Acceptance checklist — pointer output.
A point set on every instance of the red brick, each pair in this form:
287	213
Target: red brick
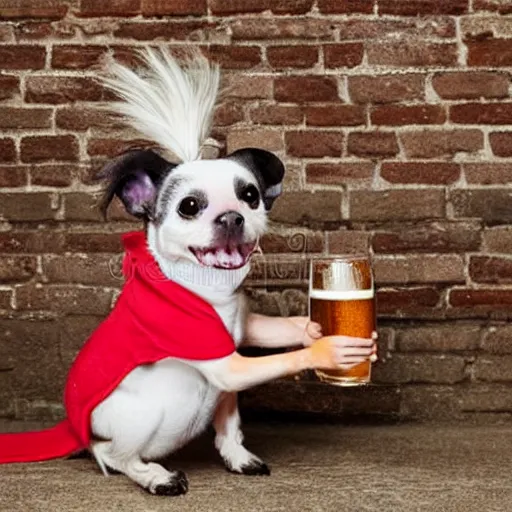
16	9
372	144
6	33
19	118
87	269
30	242
113	147
98	8
293	242
471	85
235	57
52	175
173	7
437	143
488	173
229	113
492	205
80	206
439	338
161	30
311	209
22	56
490	53
412	53
345	6
424	368
34	206
492	270
428	173
91	242
477	113
34	30
282	28
16	269
62	89
493	368
13	176
387	28
396	115
501	143
49	147
422	7
343	55
386	88
426	268
64	299
456	237
264	138
340	173
335	114
5	299
9	86
303	89
79	118
303	56
248	6
498	340
399	302
470	297
500	6
313	143
498	239
237	85
347	242
396	205
277	114
77	56
7	150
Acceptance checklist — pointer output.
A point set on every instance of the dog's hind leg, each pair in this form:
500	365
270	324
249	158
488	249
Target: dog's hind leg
229	439
131	424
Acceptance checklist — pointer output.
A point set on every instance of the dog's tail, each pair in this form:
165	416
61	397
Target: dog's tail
168	103
55	442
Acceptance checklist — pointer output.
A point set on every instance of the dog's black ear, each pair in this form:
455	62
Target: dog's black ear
135	178
267	168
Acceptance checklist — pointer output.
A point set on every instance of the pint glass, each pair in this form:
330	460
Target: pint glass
342	301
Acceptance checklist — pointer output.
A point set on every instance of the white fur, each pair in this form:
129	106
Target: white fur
172	105
216	176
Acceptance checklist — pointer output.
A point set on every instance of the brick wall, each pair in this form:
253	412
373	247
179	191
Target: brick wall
394	119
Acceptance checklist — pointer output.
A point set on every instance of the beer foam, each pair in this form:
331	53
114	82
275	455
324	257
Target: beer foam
342	295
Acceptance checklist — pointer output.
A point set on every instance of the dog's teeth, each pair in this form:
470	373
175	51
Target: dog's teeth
209	259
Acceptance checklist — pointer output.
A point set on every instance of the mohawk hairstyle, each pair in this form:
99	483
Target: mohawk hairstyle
169	103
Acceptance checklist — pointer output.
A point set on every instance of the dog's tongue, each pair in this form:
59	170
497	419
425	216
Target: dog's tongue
225	257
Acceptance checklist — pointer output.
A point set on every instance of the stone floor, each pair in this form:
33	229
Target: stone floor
315	467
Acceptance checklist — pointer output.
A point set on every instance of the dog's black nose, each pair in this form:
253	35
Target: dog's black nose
231	221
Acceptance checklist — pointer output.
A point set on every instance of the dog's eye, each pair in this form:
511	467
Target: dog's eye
189	207
251	196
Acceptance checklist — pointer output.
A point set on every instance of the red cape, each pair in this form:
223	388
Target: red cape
153	318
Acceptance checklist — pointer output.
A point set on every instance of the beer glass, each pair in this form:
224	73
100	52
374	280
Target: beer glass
342	301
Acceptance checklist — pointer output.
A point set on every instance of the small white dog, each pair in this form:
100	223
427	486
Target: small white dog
203	220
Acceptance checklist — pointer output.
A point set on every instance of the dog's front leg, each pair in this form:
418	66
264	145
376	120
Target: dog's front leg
229	439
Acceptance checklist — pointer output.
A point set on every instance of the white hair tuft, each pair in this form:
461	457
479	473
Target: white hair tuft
169	103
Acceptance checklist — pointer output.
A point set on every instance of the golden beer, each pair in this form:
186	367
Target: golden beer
342	301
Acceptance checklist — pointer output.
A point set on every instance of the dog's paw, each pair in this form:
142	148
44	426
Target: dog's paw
254	467
177	484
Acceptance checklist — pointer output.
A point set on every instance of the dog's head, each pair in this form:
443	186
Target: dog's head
210	212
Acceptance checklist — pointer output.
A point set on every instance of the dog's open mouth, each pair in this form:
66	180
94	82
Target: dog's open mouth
228	256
